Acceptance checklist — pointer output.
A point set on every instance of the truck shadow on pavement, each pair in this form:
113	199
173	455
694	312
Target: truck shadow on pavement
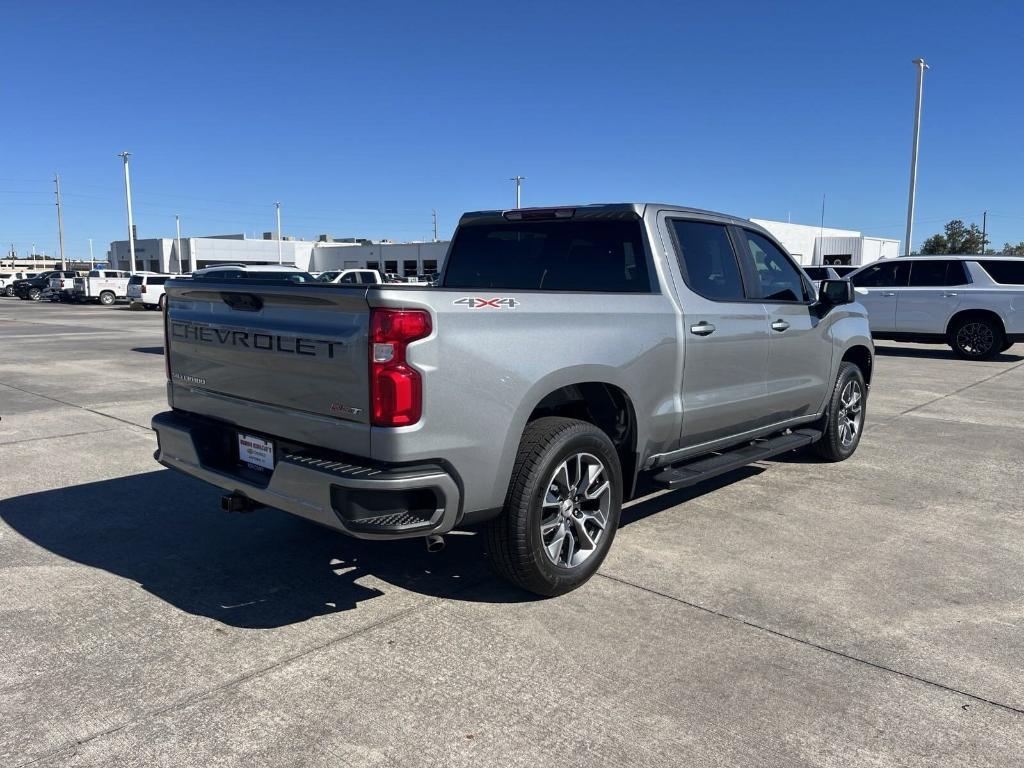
939	353
261	570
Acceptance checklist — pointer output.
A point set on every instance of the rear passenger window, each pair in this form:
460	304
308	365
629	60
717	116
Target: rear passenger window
1005	272
707	260
777	278
925	274
157	280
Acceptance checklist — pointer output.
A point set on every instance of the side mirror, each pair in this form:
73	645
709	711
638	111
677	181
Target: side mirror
832	293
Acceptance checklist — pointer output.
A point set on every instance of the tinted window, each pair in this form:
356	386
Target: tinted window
934	273
135	280
1005	272
891	274
574	255
326	277
350	278
817	273
157	280
707	260
777	278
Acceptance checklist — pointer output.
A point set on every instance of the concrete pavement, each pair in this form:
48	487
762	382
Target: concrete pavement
793	613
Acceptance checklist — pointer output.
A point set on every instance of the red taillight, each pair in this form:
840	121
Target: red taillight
396	389
61	283
142	288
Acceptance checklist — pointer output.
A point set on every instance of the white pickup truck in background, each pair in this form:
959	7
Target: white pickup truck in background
103	285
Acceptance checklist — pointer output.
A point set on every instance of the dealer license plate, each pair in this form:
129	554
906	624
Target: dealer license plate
255	451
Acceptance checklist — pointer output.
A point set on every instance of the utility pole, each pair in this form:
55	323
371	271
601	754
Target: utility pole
435	224
131	224
519	182
60	222
921	67
92	261
277	208
984	225
177	233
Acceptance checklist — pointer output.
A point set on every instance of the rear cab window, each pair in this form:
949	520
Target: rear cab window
707	259
572	254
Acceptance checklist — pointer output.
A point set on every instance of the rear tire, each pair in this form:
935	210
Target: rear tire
34	294
106	298
843	423
561	510
976	337
160	303
9	291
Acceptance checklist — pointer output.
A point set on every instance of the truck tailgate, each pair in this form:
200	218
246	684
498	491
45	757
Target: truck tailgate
300	348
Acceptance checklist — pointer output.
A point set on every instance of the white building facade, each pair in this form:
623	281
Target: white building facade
812	245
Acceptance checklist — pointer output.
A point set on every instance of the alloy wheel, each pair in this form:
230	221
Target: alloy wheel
574	512
851	412
975	339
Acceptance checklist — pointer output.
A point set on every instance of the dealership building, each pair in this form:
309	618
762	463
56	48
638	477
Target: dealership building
161	254
812	245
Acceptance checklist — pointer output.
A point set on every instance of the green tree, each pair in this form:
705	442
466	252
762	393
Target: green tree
958	238
935	244
1014	250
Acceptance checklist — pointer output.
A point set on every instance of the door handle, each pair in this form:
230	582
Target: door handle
780	325
948	294
702	329
888	293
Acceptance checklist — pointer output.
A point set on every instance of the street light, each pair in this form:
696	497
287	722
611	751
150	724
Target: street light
131	226
921	67
519	182
277	208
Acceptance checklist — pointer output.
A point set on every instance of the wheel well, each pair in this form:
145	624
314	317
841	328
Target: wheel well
987	314
861	357
606	407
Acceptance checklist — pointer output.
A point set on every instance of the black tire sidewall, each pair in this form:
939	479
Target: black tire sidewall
831	445
997	339
104	298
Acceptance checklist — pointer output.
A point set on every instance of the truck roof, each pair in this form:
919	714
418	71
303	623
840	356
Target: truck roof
603	210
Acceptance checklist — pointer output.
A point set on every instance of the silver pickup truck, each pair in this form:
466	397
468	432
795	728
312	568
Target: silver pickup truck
564	353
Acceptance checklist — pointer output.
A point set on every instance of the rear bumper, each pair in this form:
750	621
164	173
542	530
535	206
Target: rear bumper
362	499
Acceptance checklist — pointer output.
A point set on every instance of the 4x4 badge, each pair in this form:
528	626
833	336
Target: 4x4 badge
475	302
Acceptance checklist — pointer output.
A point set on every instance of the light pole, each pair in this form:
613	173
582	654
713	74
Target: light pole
60	222
92	261
277	209
131	225
519	183
921	67
177	233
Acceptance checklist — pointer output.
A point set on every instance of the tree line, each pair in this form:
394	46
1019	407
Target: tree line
958	237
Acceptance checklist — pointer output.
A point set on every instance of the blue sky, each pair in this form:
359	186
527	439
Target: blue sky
362	117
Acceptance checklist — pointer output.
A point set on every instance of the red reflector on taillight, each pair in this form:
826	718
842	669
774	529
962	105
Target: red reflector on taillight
142	288
396	388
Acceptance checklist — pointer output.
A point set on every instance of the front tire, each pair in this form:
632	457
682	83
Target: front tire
562	507
34	294
9	291
976	338
843	423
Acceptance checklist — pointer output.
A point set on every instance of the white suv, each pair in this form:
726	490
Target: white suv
147	289
973	303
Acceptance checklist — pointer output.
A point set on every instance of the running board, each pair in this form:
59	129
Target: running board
693	472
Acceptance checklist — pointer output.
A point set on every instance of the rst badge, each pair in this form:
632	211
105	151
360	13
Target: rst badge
475	302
